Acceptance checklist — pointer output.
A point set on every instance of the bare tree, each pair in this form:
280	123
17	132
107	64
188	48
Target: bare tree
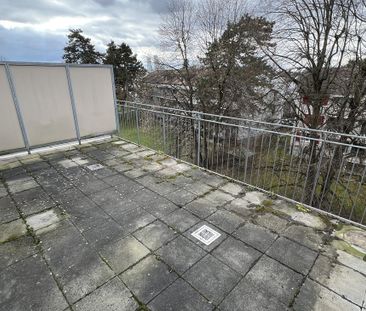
315	41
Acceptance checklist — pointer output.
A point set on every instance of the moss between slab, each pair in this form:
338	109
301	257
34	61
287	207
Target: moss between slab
348	248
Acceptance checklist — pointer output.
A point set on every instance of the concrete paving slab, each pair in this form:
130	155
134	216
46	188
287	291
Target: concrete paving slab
350	261
272	222
159	206
218	197
43	221
225	220
3	191
255	197
78	268
12	230
180	220
28	285
16	250
155	235
275	279
343	280
148	278
180	296
255	236
314	297
212	278
123	253
180	197
197	187
105	233
133	219
8	210
33	201
236	255
305	235
247	297
113	295
181	254
232	188
292	254
21	184
201	207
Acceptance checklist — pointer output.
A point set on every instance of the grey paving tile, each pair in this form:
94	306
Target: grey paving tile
274	279
159	206
343	280
28	285
21	184
201	208
212	278
113	295
115	180
232	188
180	219
256	236
305	235
16	250
79	268
236	255
272	222
12	230
3	191
225	220
105	233
197	187
180	296
313	296
8	210
123	253
218	197
33	200
133	219
155	234
181	197
181	254
292	254
247	297
148	278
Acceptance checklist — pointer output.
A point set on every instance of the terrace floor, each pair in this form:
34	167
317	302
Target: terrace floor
119	237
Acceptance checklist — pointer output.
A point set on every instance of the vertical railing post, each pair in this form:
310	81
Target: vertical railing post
17	107
246	155
198	124
164	133
72	100
137	124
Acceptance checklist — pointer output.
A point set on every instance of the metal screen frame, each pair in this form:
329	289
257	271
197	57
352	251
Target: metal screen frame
27	145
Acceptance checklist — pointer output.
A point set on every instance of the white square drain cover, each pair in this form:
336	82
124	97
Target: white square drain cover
206	234
95	167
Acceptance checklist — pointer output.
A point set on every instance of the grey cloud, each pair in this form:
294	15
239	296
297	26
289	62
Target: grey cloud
132	21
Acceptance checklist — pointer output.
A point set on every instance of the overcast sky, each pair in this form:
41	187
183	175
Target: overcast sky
35	30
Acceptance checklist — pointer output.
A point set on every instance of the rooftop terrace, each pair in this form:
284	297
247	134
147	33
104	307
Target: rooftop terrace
108	226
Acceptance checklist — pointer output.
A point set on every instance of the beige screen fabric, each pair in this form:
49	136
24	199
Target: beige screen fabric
44	100
10	132
94	101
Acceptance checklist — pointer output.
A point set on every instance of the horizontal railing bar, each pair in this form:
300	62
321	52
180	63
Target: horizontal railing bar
248	120
253	128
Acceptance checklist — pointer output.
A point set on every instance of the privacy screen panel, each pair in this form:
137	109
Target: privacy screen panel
94	100
10	132
44	101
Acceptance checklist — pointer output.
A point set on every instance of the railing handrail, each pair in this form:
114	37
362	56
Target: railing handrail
292	127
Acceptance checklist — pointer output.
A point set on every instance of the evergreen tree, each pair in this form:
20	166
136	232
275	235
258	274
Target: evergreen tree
126	68
79	49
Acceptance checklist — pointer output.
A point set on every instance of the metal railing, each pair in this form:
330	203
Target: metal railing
316	168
